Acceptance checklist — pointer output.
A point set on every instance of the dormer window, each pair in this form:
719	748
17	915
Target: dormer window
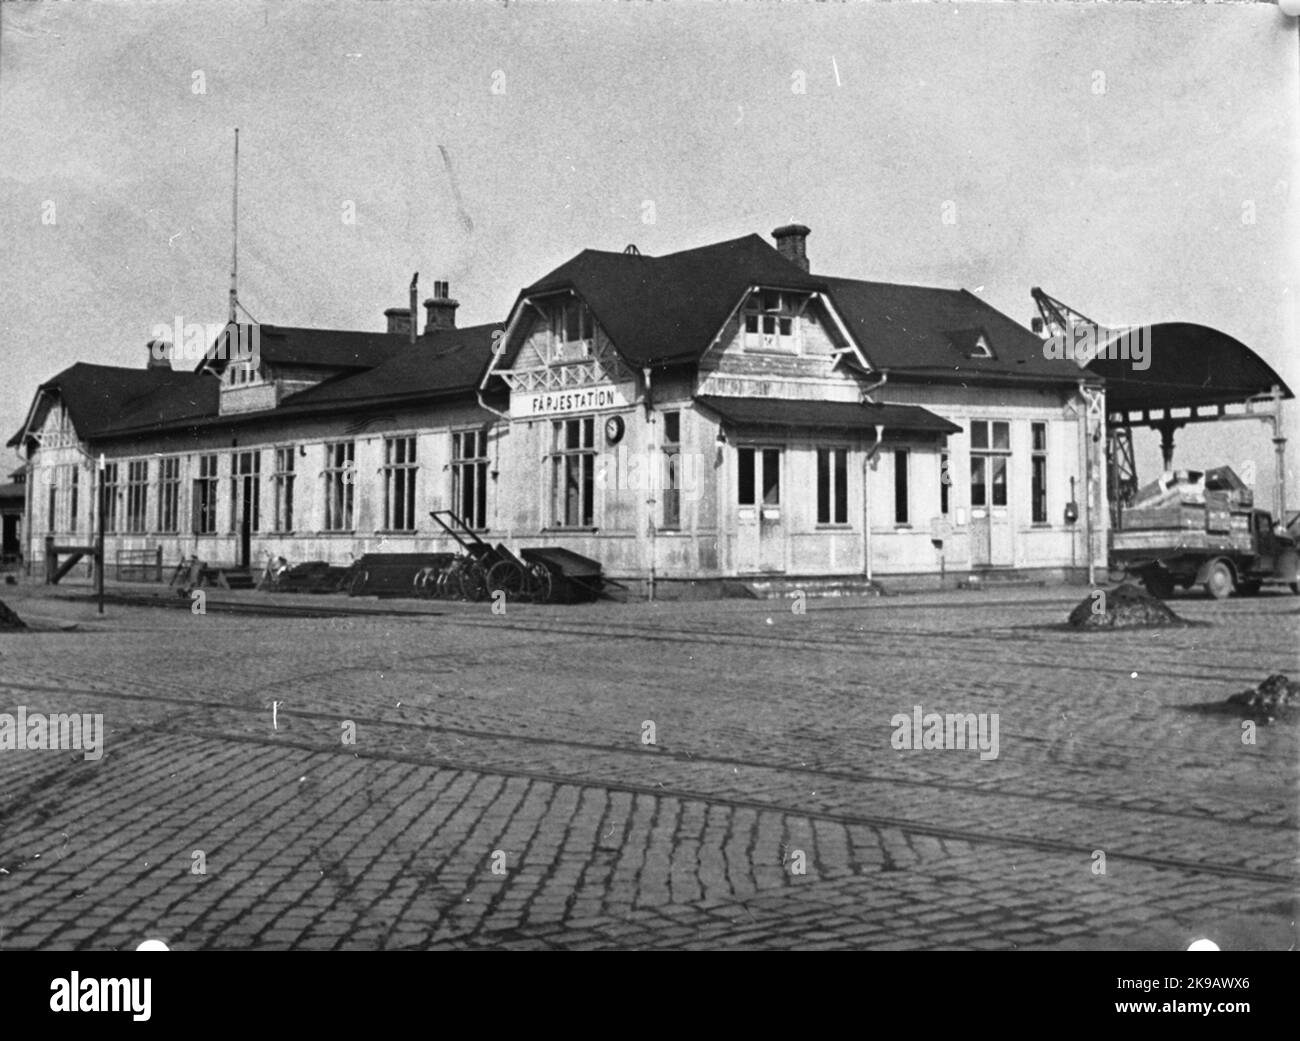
241	374
770	321
572	330
973	343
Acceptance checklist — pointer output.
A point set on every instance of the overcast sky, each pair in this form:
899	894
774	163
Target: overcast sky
1139	161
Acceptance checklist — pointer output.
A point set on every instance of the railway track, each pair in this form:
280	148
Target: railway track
972	835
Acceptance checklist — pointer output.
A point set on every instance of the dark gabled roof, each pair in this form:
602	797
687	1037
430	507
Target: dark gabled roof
825	415
446	362
105	400
669	308
312	348
929	331
99	397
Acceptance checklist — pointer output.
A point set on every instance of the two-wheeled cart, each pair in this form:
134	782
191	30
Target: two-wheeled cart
483	569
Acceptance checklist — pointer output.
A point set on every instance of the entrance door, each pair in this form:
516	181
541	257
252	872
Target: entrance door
246	478
760	533
990	466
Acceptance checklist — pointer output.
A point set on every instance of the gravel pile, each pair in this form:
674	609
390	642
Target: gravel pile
1124	607
1276	696
8	620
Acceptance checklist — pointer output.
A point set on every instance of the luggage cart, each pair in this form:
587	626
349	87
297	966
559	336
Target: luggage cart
484	569
573	577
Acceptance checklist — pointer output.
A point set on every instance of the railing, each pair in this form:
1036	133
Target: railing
139	565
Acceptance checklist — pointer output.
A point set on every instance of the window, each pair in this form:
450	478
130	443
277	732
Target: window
1038	476
832	486
340	481
770	321
282	489
672	447
169	493
900	486
74	479
572	329
990	451
246	491
52	503
759	473
109	490
137	496
205	496
574	462
399	483
945	482
469	463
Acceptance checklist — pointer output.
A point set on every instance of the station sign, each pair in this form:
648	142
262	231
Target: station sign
526	405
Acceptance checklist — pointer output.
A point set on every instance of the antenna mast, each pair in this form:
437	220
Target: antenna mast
234	248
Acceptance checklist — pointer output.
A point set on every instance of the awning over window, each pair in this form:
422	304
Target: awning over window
825	415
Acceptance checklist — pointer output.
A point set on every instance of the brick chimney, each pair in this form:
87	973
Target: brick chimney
792	241
440	309
159	355
399	321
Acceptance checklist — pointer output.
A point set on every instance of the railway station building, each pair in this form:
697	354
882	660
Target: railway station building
711	420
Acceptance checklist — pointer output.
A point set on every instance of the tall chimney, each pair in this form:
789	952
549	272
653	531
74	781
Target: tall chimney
399	321
792	241
159	355
440	309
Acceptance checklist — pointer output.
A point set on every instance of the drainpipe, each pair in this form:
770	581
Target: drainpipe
866	495
1087	488
653	453
867	391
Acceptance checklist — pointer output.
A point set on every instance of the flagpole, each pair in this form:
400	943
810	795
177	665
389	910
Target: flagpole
234	227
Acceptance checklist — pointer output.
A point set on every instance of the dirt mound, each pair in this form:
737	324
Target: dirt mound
8	620
1276	697
1124	607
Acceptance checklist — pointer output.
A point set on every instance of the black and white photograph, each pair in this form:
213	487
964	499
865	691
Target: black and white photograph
635	476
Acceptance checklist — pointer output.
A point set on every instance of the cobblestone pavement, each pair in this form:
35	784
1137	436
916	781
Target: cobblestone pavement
500	791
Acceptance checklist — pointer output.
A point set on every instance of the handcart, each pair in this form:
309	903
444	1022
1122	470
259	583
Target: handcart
484	569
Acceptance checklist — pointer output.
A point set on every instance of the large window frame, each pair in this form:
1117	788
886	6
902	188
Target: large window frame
169	494
832	486
340	485
109	491
469	471
282	482
246	481
671	445
770	321
990	461
573	473
902	488
400	474
204	505
137	497
1038	473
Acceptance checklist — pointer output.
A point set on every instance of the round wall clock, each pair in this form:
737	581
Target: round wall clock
614	429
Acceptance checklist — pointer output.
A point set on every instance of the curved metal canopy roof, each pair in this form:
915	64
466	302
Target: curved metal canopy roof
1187	366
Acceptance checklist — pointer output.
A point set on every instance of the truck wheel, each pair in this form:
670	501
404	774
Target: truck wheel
1159	584
1219	583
